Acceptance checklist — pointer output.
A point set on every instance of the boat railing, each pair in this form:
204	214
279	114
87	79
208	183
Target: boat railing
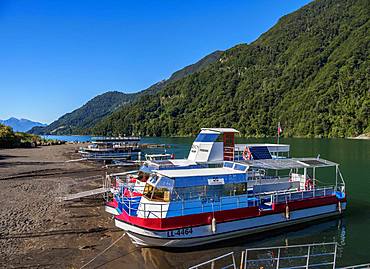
209	204
115	138
301	195
357	266
319	255
102	155
224	261
316	255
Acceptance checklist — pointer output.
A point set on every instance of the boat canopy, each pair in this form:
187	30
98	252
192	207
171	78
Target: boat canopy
221	130
204	176
281	164
169	164
271	147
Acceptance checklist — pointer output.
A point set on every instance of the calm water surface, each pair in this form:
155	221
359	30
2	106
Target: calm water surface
352	231
69	138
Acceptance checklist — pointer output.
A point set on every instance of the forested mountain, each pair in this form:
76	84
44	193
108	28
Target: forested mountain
310	72
188	70
82	119
21	125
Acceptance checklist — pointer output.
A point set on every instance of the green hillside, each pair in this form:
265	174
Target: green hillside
11	139
310	72
82	119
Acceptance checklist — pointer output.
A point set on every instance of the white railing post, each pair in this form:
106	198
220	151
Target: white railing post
308	256
335	254
278	259
246	259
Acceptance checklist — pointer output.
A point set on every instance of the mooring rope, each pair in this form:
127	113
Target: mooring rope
111	245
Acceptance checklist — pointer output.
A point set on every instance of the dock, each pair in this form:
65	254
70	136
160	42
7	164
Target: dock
83	194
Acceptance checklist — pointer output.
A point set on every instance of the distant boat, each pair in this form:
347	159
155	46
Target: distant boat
112	148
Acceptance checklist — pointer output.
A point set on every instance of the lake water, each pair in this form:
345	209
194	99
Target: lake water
351	231
69	138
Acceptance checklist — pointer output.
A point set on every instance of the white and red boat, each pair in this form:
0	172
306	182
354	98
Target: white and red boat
188	207
211	147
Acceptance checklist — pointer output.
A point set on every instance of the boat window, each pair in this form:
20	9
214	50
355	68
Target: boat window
189	193
206	137
157	194
235	189
195	192
148	191
161	192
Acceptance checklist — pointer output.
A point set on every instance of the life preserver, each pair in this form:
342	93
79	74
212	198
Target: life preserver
308	185
247	155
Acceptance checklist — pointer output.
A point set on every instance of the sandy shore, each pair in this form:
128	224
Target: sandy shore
37	230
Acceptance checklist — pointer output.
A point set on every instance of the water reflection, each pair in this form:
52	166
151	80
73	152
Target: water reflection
333	230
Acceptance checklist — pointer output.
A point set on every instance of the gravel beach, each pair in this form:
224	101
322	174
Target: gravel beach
38	230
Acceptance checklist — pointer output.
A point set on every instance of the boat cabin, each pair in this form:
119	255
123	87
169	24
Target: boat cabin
215	145
261	183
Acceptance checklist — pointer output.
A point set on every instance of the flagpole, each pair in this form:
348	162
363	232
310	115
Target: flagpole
278	130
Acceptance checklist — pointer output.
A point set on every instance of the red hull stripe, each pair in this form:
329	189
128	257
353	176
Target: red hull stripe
221	216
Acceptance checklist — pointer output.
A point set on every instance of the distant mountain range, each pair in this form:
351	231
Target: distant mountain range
81	120
21	125
310	72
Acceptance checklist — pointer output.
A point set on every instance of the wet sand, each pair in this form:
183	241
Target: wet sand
38	230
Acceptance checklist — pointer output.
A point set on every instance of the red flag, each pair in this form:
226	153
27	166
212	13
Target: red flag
279	129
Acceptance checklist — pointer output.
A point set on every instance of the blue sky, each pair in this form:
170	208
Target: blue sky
56	55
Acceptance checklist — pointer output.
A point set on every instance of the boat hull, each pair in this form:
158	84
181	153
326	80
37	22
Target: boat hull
111	210
200	235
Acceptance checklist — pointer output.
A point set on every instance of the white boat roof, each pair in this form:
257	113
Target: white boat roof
271	147
158	155
171	162
182	162
198	172
281	164
221	130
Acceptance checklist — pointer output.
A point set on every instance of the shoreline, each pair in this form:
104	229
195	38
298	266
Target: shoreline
36	228
360	137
